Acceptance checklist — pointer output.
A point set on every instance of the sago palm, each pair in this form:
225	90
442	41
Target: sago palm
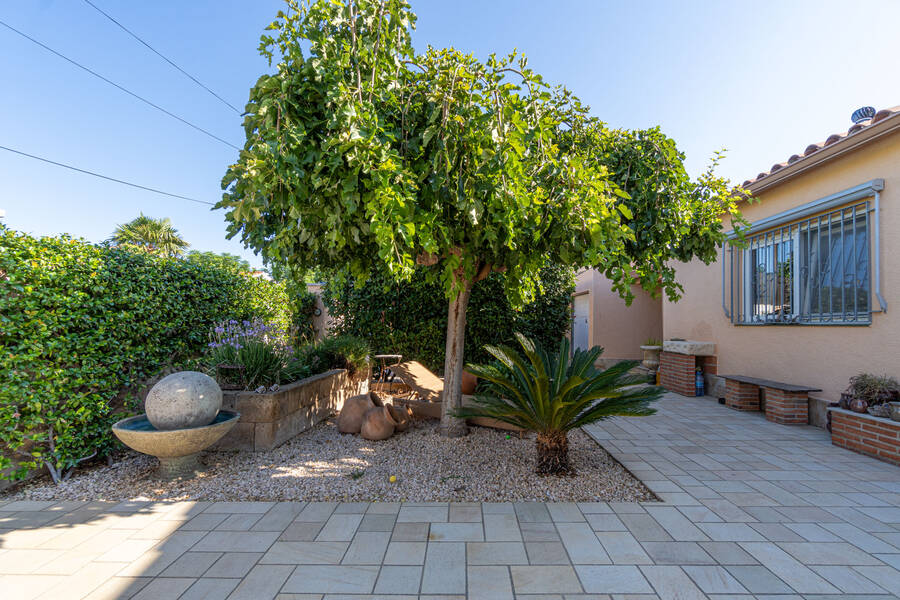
155	235
552	394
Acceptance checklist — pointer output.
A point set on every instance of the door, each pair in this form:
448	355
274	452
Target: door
580	324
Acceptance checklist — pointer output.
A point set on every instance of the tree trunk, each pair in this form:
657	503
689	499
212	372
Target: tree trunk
552	453
452	426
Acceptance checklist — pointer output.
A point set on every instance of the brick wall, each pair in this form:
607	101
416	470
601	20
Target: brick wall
709	364
741	396
866	434
787	408
676	372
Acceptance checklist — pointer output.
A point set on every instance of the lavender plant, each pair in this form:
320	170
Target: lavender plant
248	354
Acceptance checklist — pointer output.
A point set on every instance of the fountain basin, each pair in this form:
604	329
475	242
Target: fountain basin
176	449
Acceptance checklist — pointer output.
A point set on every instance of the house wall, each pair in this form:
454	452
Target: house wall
619	328
823	356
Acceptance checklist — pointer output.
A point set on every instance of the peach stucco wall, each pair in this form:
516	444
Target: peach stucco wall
820	356
618	328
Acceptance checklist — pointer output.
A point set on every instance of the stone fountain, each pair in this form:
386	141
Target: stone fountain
183	417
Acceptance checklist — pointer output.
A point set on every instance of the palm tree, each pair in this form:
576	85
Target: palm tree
553	394
154	235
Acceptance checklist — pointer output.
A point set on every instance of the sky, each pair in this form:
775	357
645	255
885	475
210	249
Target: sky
762	79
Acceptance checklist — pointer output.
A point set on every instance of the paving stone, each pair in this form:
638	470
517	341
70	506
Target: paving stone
234	564
730	532
398	580
154	561
545	580
263	582
497	508
353	508
445	568
616	579
676	524
367	548
209	588
340	527
405	553
623	548
279	516
239	507
383	508
305	553
501	527
605	522
594	507
410	532
831	553
565	512
812	532
859	538
532	512
776	532
539	532
759	580
300	531
191	564
115	588
239	522
236	541
496	553
331	579
714	580
316	512
886	577
848	580
671	583
546	553
164	587
677	553
582	544
644	528
204	522
802	579
465	512
728	553
422	514
456	532
489	583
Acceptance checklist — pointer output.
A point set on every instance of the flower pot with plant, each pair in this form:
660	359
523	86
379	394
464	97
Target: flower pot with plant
651	349
873	394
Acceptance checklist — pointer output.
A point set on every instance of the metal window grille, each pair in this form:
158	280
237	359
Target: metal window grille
813	271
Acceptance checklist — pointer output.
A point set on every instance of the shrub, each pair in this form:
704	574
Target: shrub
410	318
81	326
248	354
553	393
874	389
336	352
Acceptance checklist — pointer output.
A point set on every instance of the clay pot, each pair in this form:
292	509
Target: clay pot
378	424
351	418
468	384
859	405
380	398
401	415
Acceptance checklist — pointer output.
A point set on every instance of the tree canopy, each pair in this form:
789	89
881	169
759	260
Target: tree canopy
361	152
154	235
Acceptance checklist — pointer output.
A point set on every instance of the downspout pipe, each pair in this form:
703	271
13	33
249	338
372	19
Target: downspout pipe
877	239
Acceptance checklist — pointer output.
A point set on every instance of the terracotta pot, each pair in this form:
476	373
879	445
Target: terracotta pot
469	382
859	405
380	398
401	415
378	424
351	418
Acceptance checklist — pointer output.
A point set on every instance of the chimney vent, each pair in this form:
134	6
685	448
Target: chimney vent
862	114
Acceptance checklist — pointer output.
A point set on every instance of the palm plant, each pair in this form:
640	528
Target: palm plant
155	235
552	394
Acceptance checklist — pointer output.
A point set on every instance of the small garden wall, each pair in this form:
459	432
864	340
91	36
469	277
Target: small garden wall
866	434
269	420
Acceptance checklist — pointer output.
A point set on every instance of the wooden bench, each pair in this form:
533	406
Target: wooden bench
786	403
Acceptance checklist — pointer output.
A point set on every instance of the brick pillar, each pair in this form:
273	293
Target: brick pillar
787	408
676	372
709	364
742	396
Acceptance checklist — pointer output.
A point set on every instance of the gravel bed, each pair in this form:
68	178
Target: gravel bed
322	464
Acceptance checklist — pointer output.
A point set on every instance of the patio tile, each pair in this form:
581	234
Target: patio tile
502	528
644	528
237	541
489	583
545	580
154	561
886	577
410	532
565	512
546	553
209	588
676	524
398	580
340	527
377	522
204	522
300	531
730	532
672	583
164	587
305	553
849	580
239	522
316	511
405	553
279	516
456	532
714	580
677	553
445	568
728	553
422	514
383	508
618	579
539	532
234	564
118	588
802	579
331	579
191	564
759	580
367	548
264	582
465	512
582	544
532	512
239	507
496	553
605	522
351	508
831	553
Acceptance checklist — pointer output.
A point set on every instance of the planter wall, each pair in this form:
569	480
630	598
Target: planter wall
269	420
866	434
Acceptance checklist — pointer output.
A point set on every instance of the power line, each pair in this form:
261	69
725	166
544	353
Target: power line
86	172
159	54
116	85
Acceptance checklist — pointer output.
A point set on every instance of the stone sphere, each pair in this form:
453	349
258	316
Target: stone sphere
183	400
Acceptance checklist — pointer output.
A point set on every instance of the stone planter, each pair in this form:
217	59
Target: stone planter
651	357
269	420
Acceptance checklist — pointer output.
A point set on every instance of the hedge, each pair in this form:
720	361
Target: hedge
81	326
410	318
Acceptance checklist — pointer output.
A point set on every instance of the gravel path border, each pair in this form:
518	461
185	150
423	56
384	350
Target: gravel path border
324	465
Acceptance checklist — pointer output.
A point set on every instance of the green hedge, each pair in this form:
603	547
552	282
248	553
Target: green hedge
410	318
82	325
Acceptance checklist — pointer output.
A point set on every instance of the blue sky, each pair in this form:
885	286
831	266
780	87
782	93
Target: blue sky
762	79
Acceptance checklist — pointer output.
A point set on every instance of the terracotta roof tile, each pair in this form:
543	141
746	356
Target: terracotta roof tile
832	139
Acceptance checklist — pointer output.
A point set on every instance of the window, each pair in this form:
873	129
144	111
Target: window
810	271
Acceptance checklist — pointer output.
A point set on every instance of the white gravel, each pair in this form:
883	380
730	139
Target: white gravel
322	464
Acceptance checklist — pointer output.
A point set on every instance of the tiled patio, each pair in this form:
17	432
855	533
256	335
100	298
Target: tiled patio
752	509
